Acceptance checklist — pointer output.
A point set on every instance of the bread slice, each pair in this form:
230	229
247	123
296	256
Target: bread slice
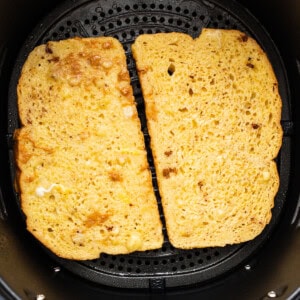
83	175
213	112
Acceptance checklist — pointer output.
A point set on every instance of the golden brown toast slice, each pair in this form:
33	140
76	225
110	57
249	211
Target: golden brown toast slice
83	174
213	111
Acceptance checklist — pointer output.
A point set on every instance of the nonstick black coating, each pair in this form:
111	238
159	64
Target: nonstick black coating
125	20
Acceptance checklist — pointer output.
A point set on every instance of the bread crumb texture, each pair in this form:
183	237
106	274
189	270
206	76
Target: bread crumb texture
83	174
213	111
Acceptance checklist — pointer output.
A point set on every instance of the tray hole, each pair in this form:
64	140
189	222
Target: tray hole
138	270
127	7
182	267
119	9
169	7
95	32
102	28
120	268
74	29
145	19
94	18
195	28
86	22
208	257
200	261
119	22
111	266
194	14
111	25
129	269
179	22
62	28
174	269
178	9
110	11
135	6
127	21
152	5
186	11
67	35
153	19
170	21
136	19
144	5
69	23
161	6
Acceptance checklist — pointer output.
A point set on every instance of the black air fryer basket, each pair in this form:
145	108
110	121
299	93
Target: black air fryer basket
265	268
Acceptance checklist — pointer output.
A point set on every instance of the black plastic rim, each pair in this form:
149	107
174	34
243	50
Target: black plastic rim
125	20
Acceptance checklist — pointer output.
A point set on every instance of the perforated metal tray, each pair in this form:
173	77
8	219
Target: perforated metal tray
125	20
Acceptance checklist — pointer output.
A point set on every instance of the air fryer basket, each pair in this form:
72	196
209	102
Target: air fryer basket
167	267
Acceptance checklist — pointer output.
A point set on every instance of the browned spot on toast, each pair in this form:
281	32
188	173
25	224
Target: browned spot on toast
168	153
54	59
123	75
243	38
48	49
255	126
107	45
95	60
96	219
168	171
184	109
115	176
